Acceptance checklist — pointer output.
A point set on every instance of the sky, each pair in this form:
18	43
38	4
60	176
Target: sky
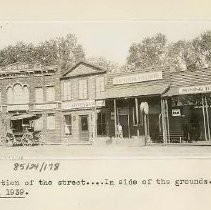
110	39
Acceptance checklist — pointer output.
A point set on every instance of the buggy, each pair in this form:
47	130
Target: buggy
21	131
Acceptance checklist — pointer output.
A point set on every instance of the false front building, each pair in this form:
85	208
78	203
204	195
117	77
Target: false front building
82	116
126	93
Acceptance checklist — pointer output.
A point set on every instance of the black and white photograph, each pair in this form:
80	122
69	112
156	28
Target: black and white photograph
105	88
105	105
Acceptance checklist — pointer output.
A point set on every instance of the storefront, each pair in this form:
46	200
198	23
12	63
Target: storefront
79	120
83	118
188	104
125	96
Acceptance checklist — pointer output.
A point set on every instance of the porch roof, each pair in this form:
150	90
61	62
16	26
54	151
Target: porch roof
23	116
173	91
126	92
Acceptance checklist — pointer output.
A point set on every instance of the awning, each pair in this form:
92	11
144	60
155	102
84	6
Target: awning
135	91
23	116
188	90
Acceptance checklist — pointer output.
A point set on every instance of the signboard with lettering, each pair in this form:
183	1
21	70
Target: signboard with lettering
176	112
134	78
82	104
195	89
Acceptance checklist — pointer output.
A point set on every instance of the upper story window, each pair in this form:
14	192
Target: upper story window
83	89
66	92
18	94
26	93
100	85
39	95
50	93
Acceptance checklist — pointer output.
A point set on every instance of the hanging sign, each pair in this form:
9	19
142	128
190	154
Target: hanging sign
176	112
195	89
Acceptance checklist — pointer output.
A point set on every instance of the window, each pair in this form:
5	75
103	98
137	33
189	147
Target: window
51	122
67	90
68	125
50	93
38	123
18	94
39	95
83	89
100	85
101	124
25	94
10	95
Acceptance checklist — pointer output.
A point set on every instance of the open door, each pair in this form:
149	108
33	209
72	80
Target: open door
84	128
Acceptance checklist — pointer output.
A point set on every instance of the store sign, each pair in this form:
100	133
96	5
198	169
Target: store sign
176	112
134	78
195	89
84	104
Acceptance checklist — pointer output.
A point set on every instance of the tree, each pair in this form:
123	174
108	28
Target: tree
182	55
150	52
49	52
103	63
202	45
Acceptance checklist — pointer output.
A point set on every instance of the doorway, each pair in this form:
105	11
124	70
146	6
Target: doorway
84	127
124	122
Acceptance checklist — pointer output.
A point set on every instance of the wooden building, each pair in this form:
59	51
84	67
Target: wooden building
83	118
126	93
188	106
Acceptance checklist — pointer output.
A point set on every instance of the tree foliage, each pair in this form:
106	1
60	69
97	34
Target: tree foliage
49	52
103	63
181	55
149	52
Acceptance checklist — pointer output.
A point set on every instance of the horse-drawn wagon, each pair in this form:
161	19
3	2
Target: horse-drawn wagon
21	131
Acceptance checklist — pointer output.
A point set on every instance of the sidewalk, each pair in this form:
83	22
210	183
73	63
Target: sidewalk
101	152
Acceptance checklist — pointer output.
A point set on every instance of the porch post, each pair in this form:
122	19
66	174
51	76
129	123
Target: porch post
167	121
208	120
115	118
95	120
137	118
163	121
204	118
129	118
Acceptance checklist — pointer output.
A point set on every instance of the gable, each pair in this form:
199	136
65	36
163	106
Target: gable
82	69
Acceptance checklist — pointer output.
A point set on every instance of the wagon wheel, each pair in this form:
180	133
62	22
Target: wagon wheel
8	139
3	140
27	139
